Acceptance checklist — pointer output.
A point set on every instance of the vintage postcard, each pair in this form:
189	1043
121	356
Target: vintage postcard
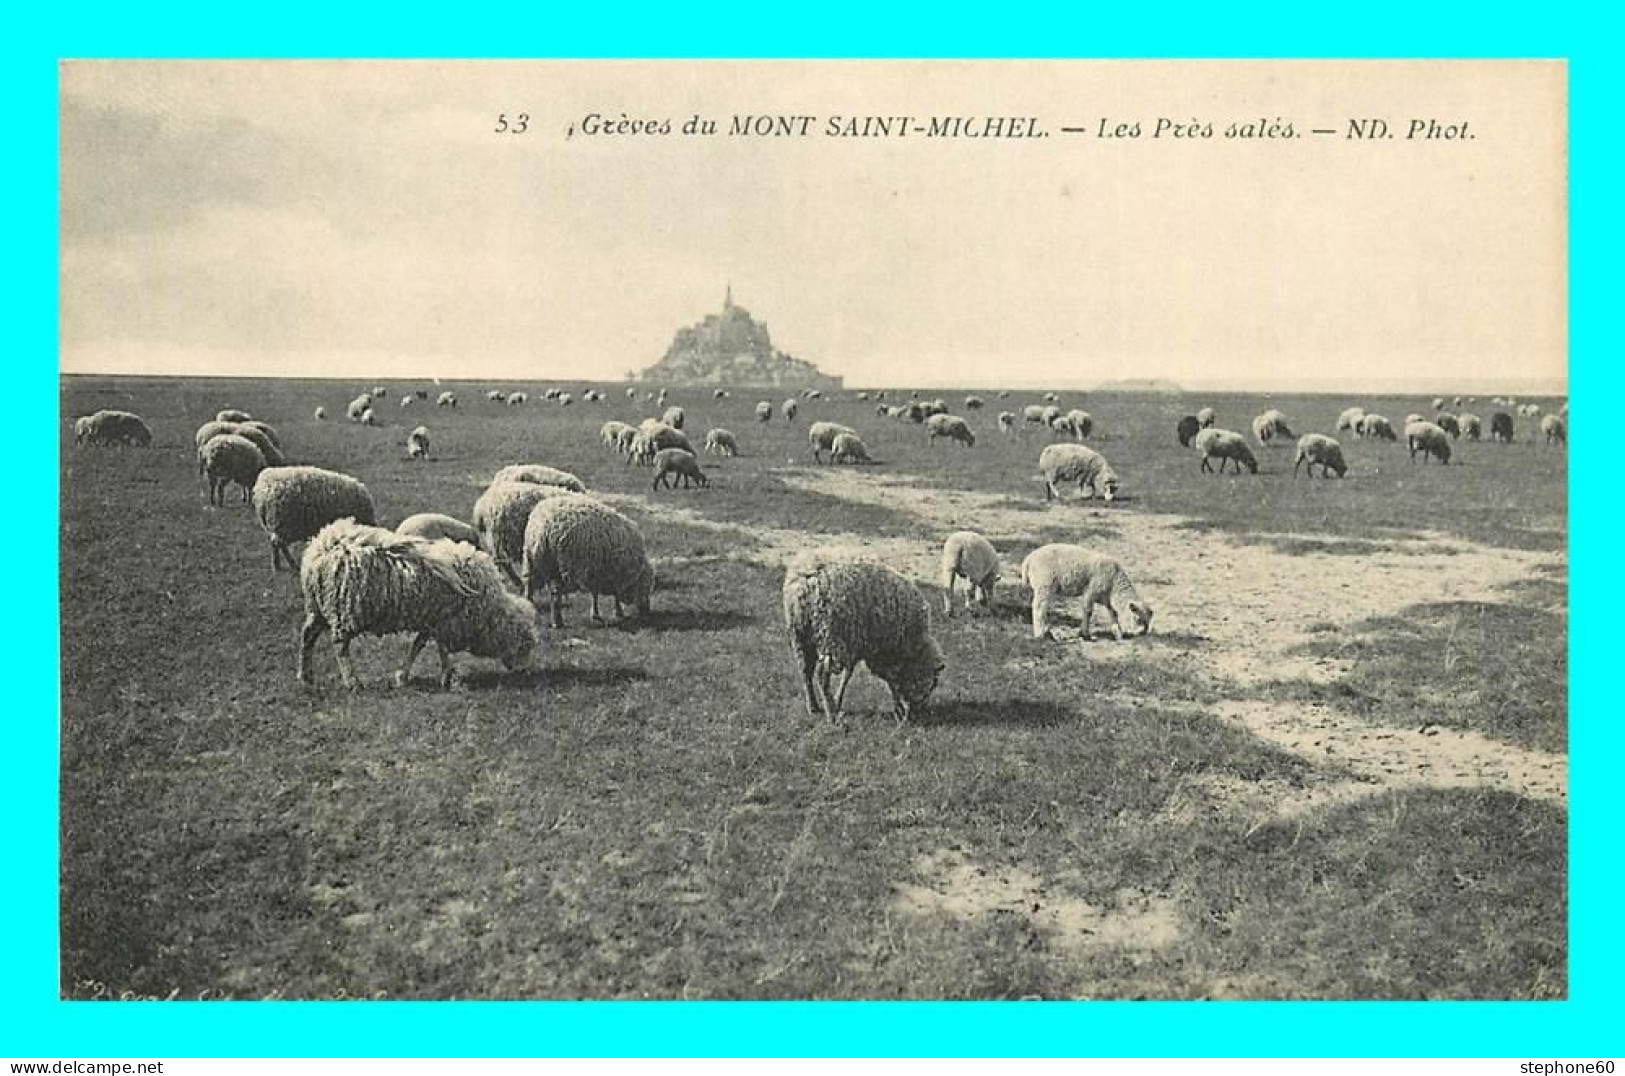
814	530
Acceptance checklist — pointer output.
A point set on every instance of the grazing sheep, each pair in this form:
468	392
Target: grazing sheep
1438	403
1554	429
719	394
1529	410
848	448
610	432
1448	423
575	543
495	396
1376	426
293	503
789	409
433	526
1189	426
821	436
422	394
380	392
1051	397
1050	414
1501	427
406	401
356	407
1270	425
722	442
968	555
540	475
1316	448
952	427
681	463
1224	446
321	414
564	399
446	399
653	436
1033	415
1472	427
1007	423
916	412
1070	571
1077	463
1350	417
974	403
112	428
764	412
253	431
516	399
840	613
673	417
417	444
1078	423
368	418
1207	417
1429	439
626	441
499	519
212	429
1004	394
231	414
229	458
364	580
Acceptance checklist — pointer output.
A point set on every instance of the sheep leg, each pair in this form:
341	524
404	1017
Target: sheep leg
312	630
445	664
1040	617
809	662
819	679
597	618
341	650
948	598
1207	467
840	689
1117	626
1049	490
555	605
405	672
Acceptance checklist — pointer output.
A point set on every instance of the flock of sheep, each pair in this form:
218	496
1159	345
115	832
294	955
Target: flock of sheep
536	533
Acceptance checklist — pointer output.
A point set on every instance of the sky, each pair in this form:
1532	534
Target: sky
366	219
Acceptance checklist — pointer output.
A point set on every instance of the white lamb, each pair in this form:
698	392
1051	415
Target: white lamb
969	556
1070	571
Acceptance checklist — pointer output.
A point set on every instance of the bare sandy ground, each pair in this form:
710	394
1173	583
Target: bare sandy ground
1251	608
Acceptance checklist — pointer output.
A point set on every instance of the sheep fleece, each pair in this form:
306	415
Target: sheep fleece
847	612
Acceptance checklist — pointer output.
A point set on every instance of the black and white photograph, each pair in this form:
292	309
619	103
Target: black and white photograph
799	530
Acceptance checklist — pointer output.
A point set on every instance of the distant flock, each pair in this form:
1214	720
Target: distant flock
537	534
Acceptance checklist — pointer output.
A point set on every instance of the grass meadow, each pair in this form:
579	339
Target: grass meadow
1336	767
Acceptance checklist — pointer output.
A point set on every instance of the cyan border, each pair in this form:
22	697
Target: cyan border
33	1022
